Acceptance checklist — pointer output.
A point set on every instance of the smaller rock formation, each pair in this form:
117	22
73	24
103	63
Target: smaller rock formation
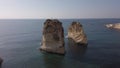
76	32
53	37
1	60
114	26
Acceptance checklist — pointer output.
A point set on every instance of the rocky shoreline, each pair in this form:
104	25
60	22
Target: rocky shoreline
113	26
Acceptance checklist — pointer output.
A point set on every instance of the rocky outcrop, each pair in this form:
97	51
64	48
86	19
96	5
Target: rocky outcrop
53	37
115	26
76	32
1	60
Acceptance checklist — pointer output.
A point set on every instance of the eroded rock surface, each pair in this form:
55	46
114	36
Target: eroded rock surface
53	37
76	32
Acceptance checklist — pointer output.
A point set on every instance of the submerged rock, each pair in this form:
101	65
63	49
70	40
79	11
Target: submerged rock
115	26
53	37
1	60
76	32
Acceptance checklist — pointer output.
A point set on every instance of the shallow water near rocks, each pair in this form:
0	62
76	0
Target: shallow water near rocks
20	42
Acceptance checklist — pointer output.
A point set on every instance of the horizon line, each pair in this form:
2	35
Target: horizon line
59	18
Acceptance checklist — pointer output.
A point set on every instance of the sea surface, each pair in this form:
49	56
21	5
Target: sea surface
20	41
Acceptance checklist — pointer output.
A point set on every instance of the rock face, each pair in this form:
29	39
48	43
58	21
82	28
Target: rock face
1	61
53	37
115	26
76	32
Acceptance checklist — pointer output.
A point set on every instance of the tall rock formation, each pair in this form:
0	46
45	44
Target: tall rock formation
53	37
76	33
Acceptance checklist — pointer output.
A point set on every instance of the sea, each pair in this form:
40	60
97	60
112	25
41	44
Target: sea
20	42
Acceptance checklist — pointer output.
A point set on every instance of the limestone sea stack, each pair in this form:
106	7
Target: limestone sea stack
53	37
76	33
114	26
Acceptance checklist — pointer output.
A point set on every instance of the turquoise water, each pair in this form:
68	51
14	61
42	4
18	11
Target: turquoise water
20	42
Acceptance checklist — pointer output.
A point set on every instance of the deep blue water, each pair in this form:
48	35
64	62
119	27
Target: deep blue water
20	42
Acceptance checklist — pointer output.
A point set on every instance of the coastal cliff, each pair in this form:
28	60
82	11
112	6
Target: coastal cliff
76	33
114	26
53	37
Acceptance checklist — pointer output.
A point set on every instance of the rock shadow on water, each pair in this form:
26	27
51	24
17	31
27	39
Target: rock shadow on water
75	50
53	60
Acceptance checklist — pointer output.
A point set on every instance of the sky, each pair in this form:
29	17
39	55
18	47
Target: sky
36	9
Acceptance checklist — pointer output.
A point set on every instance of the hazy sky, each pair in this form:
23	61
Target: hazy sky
59	9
